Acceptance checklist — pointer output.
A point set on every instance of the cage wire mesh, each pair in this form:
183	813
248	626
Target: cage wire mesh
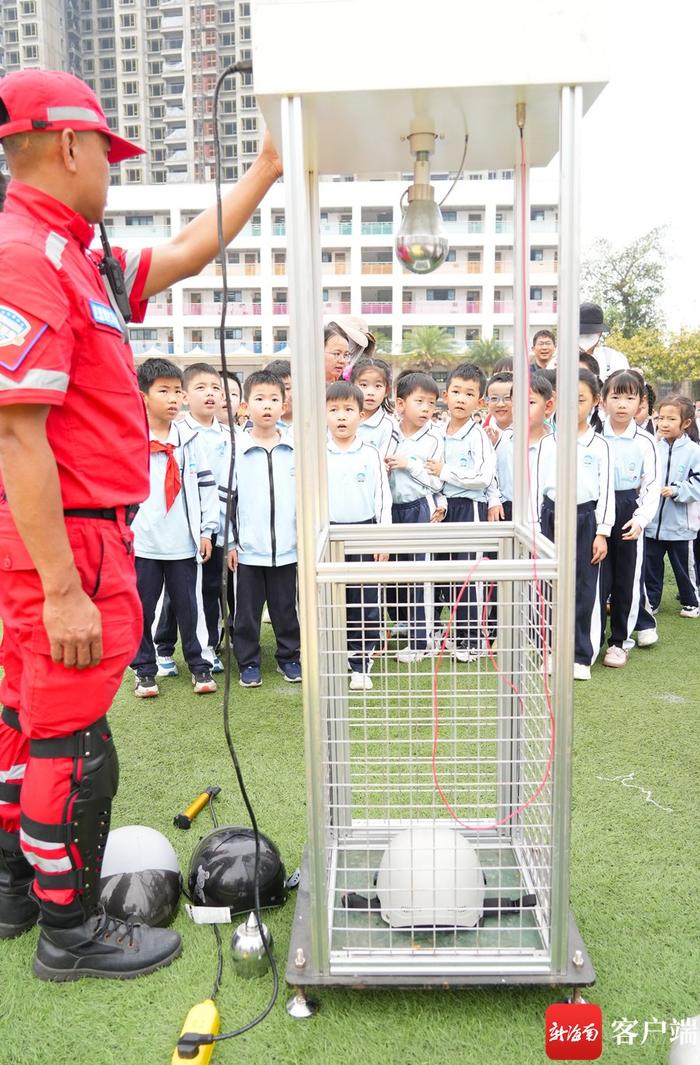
458	738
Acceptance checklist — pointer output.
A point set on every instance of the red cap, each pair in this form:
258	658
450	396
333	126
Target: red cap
37	100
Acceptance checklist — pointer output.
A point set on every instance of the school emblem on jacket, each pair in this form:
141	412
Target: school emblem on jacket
587	460
361	477
13	327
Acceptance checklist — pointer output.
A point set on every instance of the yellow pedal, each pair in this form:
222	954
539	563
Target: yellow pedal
203	1019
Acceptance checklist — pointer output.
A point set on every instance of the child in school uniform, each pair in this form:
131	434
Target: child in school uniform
416	493
358	493
637	491
265	548
202	389
282	368
174	528
466	472
673	529
595	517
377	426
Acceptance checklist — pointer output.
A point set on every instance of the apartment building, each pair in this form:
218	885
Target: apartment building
470	295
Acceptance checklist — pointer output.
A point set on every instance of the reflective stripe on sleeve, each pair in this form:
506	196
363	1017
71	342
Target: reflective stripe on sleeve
51	380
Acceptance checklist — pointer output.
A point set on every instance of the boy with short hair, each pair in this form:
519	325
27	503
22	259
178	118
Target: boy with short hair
416	492
282	368
265	551
358	493
202	389
466	472
174	527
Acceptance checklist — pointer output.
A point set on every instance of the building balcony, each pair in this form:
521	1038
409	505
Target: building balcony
505	226
543	306
503	267
172	22
280	308
279	269
502	306
377	229
377	308
335	268
543	267
172	66
235	269
279	229
232	309
443	307
464	227
178	135
333	307
377	268
460	268
251	229
546	225
159	308
337	228
125	232
140	347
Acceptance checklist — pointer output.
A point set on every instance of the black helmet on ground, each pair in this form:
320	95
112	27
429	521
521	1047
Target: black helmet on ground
222	870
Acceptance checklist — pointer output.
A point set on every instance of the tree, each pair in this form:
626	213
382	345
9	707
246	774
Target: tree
383	343
671	359
485	353
628	283
427	346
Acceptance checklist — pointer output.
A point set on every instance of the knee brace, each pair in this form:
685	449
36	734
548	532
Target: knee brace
68	855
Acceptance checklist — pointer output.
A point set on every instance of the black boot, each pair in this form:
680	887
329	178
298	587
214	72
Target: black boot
18	909
101	946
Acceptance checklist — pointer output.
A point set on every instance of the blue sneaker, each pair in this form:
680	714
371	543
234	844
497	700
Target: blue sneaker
250	677
167	666
217	665
291	671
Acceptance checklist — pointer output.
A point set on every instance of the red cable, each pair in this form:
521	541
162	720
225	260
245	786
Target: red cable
539	593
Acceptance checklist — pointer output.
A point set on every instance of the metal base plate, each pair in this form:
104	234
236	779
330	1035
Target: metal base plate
581	975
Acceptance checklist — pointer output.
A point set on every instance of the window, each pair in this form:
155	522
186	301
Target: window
106	44
229	129
535	293
226	17
13	59
11	37
105	23
473	256
536	255
28	7
230	173
109	103
497	333
210	37
473	295
493	174
156	89
247	103
451	256
139	219
129	44
244	33
249	147
244	10
249	125
131	110
537	214
153	22
474	216
143	334
449	216
30	52
158	133
440	294
226	40
158	155
130	66
155	67
86	25
133	176
157	111
106	62
132	133
11	14
158	177
449	329
131	88
507	175
127	22
29	29
228	107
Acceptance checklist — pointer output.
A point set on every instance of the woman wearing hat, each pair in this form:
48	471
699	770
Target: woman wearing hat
349	337
591	329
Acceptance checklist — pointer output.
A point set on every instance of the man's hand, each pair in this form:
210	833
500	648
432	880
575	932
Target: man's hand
437	515
205	548
232	559
434	467
600	549
74	627
634	530
496	513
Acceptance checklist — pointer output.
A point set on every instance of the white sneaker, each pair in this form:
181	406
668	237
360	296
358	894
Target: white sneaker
616	657
167	667
690	611
647	638
468	654
398	628
360	682
581	672
411	654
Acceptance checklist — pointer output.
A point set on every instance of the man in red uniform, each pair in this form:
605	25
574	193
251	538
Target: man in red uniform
73	461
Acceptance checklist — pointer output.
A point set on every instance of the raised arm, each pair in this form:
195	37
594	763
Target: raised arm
72	621
197	244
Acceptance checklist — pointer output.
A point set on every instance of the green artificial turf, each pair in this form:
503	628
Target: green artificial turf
634	887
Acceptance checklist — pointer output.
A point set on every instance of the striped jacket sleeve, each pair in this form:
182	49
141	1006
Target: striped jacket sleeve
605	507
650	487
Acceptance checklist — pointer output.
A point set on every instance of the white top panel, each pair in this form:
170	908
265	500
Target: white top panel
367	68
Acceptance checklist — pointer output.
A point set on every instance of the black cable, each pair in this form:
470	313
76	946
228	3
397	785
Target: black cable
234	68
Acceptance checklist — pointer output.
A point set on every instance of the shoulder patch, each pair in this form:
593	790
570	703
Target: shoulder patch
19	333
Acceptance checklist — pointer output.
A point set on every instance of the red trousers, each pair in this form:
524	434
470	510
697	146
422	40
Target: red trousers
50	699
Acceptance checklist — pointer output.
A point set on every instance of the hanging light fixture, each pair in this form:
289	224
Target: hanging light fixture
421	244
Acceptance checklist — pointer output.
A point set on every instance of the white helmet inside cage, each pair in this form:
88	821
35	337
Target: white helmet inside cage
430	875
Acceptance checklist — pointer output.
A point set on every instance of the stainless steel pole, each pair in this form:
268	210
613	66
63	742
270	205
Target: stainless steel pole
565	534
521	374
303	267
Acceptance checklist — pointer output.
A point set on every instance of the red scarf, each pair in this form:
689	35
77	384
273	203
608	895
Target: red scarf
172	472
